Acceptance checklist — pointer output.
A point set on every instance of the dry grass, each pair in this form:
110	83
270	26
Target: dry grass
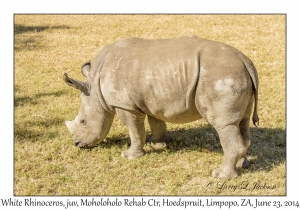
46	162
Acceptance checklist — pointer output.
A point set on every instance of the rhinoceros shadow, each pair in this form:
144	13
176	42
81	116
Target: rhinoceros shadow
267	149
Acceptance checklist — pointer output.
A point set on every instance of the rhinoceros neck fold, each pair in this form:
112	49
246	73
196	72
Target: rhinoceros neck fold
94	78
100	97
96	72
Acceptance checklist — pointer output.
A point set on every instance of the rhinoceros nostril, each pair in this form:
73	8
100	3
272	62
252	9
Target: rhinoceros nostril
76	144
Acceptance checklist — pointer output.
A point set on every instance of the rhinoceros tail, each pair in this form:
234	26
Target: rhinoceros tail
255	118
253	74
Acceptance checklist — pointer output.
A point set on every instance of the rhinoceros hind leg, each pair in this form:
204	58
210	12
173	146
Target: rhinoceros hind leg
243	163
234	148
160	138
134	121
245	132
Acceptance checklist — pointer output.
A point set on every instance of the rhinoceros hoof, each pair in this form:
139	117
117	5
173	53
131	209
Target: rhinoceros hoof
132	154
161	143
225	173
243	163
158	145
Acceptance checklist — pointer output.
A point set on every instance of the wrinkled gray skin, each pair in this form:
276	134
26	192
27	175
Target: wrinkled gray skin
171	80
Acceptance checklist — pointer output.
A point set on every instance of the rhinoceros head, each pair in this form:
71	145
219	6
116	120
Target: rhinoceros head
92	123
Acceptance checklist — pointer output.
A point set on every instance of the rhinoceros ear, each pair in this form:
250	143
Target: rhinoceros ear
83	86
85	69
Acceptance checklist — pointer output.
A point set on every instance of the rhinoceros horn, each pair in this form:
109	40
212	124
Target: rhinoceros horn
83	86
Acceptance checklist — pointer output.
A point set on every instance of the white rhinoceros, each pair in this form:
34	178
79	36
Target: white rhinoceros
175	80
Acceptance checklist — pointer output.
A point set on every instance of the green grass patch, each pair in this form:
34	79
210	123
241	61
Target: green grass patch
47	163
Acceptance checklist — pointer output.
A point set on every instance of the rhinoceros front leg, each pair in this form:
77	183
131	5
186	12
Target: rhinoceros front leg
234	148
160	138
134	121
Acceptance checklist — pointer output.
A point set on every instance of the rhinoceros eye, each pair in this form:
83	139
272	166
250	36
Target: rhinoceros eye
82	122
